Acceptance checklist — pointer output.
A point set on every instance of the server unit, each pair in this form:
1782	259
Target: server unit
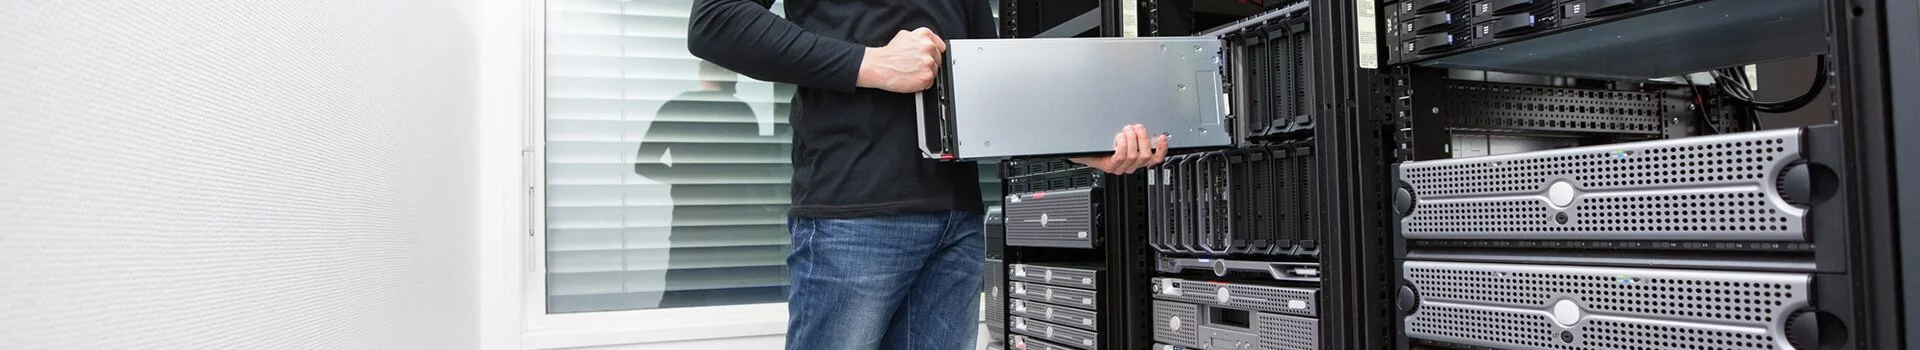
1246	209
1064	219
1600	38
995	289
1222	315
1055	305
1714	242
1236	232
1535	207
1174	86
1244	81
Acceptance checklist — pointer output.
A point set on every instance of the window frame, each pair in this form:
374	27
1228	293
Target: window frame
585	329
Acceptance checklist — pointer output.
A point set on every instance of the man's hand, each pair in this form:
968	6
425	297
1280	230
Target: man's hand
906	65
1132	150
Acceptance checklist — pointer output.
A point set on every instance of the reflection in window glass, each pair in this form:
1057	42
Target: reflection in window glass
666	177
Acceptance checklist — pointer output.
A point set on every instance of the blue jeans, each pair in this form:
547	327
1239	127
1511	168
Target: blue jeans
906	282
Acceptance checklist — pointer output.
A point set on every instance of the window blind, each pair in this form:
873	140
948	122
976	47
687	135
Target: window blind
663	188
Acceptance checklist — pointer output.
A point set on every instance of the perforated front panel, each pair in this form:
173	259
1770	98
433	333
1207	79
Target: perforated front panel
1175	323
1055	275
1564	307
996	298
1034	310
1284	300
1062	219
1057	334
1282	332
1497	106
1718	188
1183	324
1079	298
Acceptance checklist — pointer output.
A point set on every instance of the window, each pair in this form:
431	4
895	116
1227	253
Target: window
666	178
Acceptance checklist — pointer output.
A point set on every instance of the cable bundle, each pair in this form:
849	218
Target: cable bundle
1733	84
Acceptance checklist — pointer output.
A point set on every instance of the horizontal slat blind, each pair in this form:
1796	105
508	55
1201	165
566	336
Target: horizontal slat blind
658	196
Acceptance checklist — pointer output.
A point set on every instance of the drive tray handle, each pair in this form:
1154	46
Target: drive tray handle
934	117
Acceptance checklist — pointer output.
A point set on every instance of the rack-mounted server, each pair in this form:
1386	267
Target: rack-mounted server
1764	186
1055	304
1247	201
1600	38
1521	305
1225	315
1268	75
1023	342
1061	219
1175	86
1053	203
1732	241
995	288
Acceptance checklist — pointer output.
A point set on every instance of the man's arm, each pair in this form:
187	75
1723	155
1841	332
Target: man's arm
743	36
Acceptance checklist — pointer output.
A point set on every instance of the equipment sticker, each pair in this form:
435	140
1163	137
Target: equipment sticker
1367	35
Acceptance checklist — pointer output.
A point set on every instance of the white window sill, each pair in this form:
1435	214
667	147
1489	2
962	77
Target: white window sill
654	326
664	326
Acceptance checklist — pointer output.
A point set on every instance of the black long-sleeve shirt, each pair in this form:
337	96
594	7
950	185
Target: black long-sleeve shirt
855	149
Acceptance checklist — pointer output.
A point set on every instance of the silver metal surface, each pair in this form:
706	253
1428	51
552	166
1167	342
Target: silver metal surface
1568	307
1059	219
1767	262
1021	342
996	299
1204	327
1032	97
1476	145
1080	298
1050	332
1176	323
1076	317
1283	300
1055	275
1282	271
1711	188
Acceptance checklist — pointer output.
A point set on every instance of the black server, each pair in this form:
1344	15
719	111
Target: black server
995	289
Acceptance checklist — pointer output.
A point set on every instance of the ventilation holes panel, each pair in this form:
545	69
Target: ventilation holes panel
1737	159
1483	327
1281	332
1755	300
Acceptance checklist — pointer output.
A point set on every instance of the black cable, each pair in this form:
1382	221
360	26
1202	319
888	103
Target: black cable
1733	83
1702	116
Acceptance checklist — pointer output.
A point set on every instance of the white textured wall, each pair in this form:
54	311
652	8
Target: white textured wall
258	174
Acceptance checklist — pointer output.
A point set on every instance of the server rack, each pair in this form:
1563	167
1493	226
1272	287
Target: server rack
1269	221
1605	210
1372	115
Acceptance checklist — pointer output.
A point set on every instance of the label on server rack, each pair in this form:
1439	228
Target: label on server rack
1367	34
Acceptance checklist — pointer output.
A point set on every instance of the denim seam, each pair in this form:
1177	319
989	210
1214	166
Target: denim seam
946	231
813	228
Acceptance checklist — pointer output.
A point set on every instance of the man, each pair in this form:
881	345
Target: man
887	246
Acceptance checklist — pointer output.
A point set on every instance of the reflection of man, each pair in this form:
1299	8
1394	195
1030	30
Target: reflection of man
689	130
887	246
